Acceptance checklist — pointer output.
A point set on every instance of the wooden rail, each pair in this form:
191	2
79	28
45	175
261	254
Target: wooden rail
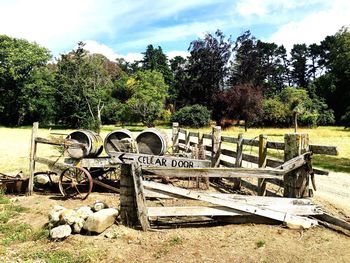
228	151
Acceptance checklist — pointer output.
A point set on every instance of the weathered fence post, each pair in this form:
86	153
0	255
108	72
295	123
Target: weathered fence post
216	146
239	151
296	183
128	207
187	140
262	163
32	154
175	137
201	155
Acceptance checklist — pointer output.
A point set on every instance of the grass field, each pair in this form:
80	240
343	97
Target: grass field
14	144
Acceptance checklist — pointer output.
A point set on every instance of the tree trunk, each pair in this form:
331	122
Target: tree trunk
245	125
295	121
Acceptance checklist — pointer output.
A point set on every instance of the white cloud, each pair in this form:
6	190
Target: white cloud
174	53
95	47
314	27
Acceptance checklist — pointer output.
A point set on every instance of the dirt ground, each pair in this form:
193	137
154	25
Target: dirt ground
198	243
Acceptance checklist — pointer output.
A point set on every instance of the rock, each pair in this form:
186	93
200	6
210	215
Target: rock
84	212
68	216
78	225
42	179
101	220
99	205
60	232
54	214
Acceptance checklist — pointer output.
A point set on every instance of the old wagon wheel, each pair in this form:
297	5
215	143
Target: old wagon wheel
75	182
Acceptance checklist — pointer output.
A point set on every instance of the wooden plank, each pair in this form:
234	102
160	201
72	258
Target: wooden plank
216	146
52	164
227	164
140	197
334	220
32	155
321	149
214	172
207	136
251	142
97	182
229	139
146	160
250	158
175	137
290	220
239	150
275	145
249	199
59	142
294	163
228	153
182	131
262	163
224	211
193	134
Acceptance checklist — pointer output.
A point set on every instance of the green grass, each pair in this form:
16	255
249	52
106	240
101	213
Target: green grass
14	146
260	243
15	232
59	257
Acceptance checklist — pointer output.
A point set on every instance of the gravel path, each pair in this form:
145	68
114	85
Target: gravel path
334	190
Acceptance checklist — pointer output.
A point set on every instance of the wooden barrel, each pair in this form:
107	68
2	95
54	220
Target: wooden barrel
152	141
92	141
119	141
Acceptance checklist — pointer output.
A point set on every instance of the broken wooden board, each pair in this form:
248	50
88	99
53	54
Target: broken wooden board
290	220
225	211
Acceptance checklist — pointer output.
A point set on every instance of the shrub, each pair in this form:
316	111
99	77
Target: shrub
195	116
274	112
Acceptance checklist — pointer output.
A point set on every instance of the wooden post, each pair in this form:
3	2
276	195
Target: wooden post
32	155
201	156
175	137
296	183
187	140
262	163
140	196
128	210
239	150
216	146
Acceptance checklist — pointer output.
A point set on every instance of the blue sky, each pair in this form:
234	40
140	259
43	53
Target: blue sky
119	28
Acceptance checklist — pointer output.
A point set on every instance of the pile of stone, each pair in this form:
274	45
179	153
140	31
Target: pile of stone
92	219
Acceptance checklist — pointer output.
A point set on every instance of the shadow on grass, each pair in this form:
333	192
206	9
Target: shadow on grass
332	163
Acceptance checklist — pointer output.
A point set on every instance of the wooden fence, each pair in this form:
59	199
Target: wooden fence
227	151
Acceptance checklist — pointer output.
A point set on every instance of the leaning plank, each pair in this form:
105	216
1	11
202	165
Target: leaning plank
294	163
214	172
139	196
334	220
290	220
193	211
250	199
52	164
61	142
223	211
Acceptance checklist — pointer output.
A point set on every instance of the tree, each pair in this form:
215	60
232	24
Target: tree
155	59
243	102
178	90
208	68
149	93
299	72
333	86
84	87
20	64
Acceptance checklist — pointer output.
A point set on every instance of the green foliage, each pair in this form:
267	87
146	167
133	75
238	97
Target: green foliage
275	112
85	83
195	116
346	119
147	101
20	65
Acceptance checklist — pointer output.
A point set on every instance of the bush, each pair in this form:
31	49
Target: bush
274	112
195	116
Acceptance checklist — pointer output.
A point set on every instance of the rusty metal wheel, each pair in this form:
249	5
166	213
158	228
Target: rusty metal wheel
75	182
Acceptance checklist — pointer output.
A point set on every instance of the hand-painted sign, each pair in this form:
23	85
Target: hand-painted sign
145	160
